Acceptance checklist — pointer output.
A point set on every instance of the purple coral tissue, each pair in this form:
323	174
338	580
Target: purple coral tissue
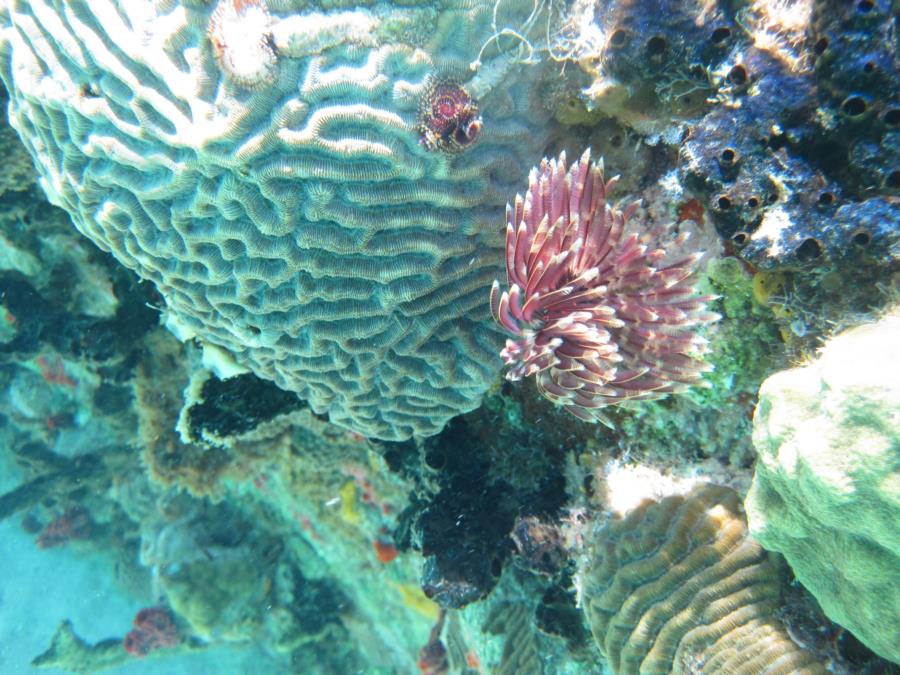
597	309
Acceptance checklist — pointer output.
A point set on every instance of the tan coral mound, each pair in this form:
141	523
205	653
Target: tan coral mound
676	586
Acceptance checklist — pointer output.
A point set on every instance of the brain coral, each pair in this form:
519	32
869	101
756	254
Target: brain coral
261	164
676	586
826	490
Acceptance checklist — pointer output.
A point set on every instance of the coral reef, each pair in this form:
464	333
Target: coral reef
81	417
316	191
71	653
713	421
825	489
677	586
17	171
759	160
241	408
792	155
226	429
241	35
275	190
856	65
469	471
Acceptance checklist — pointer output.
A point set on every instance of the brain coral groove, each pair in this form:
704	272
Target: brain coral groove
677	586
292	218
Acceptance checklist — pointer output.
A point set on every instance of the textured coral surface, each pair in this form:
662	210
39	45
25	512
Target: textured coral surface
677	587
276	191
826	492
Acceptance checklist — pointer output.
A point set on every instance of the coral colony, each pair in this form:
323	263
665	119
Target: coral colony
302	227
688	555
599	315
258	388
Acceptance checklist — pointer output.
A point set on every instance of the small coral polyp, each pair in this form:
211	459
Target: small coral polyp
240	31
449	119
598	314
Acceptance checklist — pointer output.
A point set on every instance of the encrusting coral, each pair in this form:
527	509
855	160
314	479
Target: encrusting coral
825	489
261	163
677	586
601	313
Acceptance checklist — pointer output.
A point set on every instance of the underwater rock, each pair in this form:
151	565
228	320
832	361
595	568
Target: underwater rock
677	586
479	474
227	430
242	408
826	492
650	62
71	653
854	49
465	549
277	193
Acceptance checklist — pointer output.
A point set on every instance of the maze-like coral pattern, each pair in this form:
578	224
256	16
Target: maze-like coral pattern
676	586
286	209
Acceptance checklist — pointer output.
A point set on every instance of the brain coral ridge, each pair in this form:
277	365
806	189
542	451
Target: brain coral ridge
676	586
276	191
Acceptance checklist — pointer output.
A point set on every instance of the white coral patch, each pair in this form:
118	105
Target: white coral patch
241	33
774	224
627	485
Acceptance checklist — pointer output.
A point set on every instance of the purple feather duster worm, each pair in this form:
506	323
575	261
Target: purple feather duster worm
600	315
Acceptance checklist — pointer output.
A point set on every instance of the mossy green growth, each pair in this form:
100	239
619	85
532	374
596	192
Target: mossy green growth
745	347
69	652
712	421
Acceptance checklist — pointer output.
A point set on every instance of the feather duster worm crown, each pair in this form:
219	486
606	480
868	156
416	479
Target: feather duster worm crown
598	314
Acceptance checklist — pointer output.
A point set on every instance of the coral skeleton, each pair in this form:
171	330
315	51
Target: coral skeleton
599	313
